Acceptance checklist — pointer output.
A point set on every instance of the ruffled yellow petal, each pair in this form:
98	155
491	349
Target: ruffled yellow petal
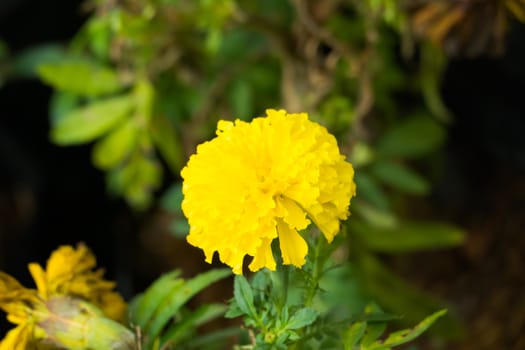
40	278
67	263
17	338
263	257
293	246
15	299
292	214
9	287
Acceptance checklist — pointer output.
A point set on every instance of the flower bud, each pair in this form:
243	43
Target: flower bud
75	324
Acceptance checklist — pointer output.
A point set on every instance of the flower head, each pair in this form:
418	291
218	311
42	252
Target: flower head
61	306
70	271
263	180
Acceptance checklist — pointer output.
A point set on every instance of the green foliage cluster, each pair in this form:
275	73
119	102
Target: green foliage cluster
162	319
285	311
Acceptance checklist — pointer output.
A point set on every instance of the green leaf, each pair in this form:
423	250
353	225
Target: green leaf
338	113
362	155
213	40
374	329
84	124
143	307
25	64
398	297
144	97
180	228
413	137
407	236
172	198
433	64
166	140
406	335
142	177
371	191
373	332
243	295
213	340
233	310
374	216
61	104
400	177
136	179
241	99
170	305
236	44
302	318
171	201
81	77
98	32
190	322
353	335
112	150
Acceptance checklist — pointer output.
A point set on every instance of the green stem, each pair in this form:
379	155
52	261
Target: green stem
316	273
313	286
286	282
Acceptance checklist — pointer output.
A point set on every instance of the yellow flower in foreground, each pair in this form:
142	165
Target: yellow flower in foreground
263	180
58	305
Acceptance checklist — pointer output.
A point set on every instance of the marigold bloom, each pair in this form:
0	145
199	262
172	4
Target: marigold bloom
70	271
69	279
263	180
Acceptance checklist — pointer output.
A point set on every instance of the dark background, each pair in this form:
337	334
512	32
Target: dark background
52	195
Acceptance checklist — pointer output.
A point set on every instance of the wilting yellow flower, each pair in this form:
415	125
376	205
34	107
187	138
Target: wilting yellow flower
69	271
62	288
263	180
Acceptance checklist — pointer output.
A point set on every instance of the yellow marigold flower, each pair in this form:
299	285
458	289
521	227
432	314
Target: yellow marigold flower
263	180
69	271
58	305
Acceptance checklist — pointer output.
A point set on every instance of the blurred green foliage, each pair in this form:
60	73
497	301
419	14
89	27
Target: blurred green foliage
145	81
